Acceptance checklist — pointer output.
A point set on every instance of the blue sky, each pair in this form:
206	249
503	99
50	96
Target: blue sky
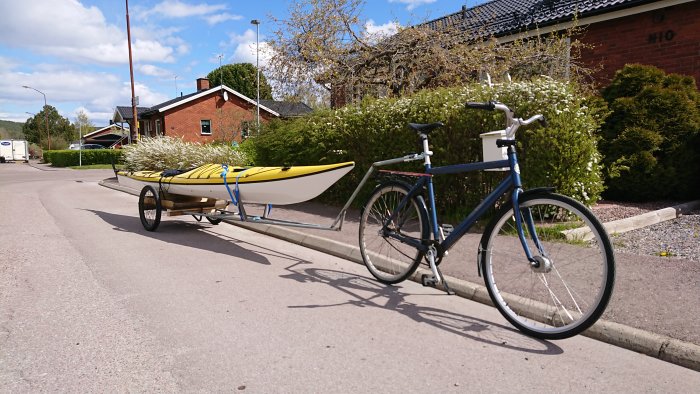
75	52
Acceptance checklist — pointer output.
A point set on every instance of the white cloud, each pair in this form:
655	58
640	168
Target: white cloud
64	86
147	97
412	4
70	30
179	9
377	32
15	116
211	13
245	49
155	71
219	18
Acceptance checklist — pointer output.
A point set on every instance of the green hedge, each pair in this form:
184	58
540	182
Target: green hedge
563	155
650	141
68	158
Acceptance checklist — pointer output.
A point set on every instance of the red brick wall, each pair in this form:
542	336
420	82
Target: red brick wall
225	117
667	38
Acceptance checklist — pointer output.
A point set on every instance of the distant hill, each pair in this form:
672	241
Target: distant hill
11	130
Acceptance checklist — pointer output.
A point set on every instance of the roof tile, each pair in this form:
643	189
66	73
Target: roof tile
504	17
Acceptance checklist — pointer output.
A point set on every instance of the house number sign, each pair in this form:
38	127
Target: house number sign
661	37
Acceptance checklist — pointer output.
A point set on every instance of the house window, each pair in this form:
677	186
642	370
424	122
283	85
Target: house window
158	129
206	127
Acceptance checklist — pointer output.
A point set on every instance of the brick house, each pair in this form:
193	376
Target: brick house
209	114
662	33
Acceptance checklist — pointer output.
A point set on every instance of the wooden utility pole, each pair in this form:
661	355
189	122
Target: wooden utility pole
131	71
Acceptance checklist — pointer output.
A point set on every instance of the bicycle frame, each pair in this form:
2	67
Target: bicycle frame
512	181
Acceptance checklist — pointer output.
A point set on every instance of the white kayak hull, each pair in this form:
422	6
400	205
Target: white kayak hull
280	191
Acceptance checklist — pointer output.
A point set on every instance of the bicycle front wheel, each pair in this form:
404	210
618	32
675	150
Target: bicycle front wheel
388	258
569	288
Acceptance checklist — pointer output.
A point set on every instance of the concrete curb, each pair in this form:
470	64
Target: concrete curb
650	218
665	348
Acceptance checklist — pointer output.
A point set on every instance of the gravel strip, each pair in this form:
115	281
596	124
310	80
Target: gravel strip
607	211
678	238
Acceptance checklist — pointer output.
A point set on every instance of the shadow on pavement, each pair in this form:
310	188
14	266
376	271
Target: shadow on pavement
366	292
184	234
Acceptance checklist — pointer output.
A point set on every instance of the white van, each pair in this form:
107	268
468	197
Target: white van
14	150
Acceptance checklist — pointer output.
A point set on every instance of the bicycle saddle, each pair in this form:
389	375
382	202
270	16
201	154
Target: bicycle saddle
425	128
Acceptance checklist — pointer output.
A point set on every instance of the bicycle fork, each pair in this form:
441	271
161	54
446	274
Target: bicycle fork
540	263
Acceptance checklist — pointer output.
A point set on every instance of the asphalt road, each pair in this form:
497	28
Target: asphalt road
91	302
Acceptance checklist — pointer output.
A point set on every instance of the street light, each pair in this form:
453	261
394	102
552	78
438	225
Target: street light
257	65
46	113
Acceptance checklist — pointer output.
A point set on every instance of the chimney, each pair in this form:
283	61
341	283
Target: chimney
202	84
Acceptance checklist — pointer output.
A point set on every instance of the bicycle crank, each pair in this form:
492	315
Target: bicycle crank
437	277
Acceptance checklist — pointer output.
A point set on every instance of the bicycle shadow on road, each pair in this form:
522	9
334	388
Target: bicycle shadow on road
377	295
194	235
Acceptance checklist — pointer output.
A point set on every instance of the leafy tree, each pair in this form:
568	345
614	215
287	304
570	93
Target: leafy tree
326	42
83	124
11	130
241	77
60	130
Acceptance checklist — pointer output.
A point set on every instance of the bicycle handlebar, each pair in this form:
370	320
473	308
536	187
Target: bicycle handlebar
489	106
512	123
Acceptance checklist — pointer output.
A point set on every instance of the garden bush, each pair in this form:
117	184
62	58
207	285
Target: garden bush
650	141
163	153
563	155
67	158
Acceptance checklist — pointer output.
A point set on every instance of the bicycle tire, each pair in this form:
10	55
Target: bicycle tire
561	298
150	208
388	259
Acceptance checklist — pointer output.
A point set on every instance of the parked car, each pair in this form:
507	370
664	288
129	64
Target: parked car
86	146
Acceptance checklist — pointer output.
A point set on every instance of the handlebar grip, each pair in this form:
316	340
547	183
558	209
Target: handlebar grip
489	106
543	122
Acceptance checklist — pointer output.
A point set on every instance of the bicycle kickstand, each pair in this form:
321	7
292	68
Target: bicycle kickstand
437	278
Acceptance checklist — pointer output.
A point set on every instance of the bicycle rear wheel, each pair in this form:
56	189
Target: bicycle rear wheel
570	289
388	259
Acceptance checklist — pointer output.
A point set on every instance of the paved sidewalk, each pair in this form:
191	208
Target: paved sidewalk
655	308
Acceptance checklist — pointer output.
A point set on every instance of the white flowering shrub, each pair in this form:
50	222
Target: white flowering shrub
165	153
563	155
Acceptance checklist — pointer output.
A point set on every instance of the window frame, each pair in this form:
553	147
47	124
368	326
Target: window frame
201	126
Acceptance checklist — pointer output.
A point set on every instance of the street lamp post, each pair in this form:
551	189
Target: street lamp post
257	67
80	143
46	113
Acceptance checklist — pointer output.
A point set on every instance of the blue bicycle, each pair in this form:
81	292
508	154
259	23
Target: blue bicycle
547	261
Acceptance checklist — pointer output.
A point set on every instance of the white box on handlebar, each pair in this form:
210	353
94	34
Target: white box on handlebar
491	151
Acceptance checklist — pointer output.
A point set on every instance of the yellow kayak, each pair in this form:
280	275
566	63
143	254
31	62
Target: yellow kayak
259	185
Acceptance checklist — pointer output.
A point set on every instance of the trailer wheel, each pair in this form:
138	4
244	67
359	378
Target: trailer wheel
213	221
149	208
